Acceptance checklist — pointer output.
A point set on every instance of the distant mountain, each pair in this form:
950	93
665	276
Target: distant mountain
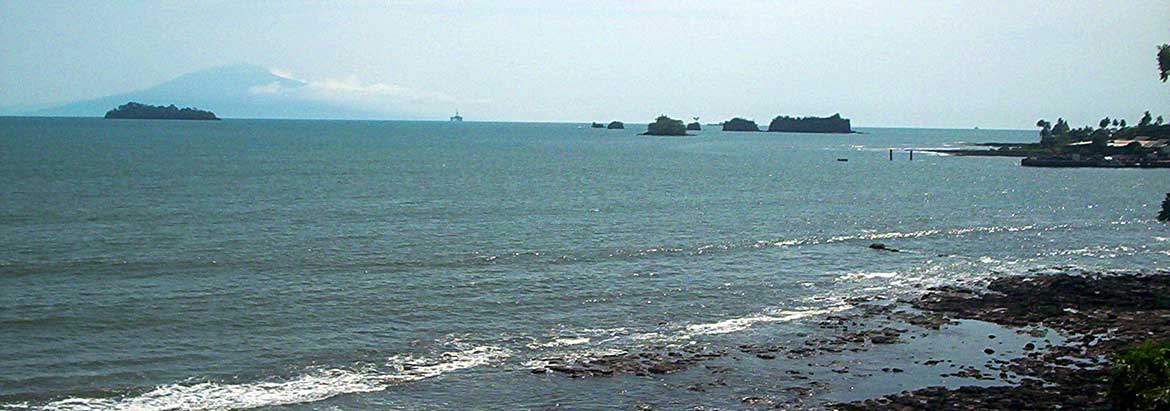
237	91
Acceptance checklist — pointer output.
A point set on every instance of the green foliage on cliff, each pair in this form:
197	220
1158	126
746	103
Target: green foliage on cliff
1141	378
666	126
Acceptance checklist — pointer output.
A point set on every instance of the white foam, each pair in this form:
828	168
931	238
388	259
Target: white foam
743	323
313	386
867	276
560	342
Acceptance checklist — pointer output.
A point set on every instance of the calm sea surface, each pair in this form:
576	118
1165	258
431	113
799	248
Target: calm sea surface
153	265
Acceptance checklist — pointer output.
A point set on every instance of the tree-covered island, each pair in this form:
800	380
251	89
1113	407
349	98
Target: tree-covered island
831	124
666	126
133	110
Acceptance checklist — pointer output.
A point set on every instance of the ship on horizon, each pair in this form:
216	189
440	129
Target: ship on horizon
456	117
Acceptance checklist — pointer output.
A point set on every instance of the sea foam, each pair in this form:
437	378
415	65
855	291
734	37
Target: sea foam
310	387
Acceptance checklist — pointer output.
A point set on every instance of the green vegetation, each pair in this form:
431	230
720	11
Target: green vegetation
1164	62
666	126
1060	140
831	124
740	124
1141	378
135	110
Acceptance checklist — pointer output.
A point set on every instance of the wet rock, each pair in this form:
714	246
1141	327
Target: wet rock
1102	312
641	363
882	247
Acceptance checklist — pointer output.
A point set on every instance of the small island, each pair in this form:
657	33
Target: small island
133	110
616	125
666	126
694	126
597	125
740	124
831	124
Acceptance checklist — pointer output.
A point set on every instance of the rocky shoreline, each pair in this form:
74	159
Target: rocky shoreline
1101	314
1053	335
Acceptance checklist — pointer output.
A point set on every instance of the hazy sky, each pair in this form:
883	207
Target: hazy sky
896	63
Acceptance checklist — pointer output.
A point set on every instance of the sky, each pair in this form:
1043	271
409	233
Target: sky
957	64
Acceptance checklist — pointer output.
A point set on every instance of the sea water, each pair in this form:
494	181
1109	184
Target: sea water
241	264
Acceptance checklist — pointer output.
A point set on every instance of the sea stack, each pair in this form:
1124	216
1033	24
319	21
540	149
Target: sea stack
831	124
666	126
740	124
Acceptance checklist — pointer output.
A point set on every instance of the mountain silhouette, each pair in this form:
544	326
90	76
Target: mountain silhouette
235	91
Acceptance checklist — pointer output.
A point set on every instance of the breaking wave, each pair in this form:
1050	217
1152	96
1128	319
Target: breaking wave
311	387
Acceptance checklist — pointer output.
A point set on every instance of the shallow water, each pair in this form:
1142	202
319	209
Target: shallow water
149	265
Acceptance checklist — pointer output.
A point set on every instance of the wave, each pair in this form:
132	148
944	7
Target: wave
556	257
621	341
313	386
743	323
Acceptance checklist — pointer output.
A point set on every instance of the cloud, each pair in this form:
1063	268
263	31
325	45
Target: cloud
352	91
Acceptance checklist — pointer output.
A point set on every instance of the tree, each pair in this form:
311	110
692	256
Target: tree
1104	123
1115	124
1164	216
1146	119
1122	123
1158	121
1061	128
1045	132
1164	62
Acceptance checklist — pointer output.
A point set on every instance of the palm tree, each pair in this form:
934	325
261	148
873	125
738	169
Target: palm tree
1158	121
1164	61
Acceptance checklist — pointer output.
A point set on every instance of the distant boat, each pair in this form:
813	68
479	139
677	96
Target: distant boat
456	117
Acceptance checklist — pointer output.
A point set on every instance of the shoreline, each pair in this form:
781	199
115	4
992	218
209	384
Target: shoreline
1099	313
1036	341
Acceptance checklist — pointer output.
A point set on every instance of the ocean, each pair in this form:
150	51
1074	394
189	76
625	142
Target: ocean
338	265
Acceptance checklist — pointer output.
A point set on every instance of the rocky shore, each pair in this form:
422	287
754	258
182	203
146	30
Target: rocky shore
1030	342
1100	313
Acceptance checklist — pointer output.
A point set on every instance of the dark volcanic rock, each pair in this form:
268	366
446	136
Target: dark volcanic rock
616	125
650	361
1101	313
882	247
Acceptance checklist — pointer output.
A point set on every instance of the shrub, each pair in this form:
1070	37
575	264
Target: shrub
1141	378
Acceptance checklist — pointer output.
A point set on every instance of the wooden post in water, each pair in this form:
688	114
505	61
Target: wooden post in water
911	154
891	154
